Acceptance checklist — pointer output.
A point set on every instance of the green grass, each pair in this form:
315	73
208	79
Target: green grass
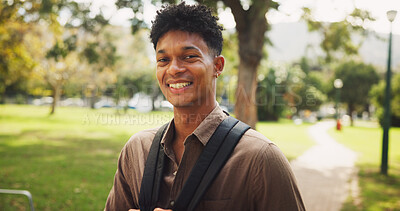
292	139
378	192
68	160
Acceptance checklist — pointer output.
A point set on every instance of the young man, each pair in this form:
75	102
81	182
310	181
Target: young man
257	176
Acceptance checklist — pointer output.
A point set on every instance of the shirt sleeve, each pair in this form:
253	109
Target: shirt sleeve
120	196
275	186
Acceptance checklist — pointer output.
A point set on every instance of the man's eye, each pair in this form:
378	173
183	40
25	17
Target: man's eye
191	56
162	60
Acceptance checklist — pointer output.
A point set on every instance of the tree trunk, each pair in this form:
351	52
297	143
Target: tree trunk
3	95
251	26
351	110
94	88
56	96
245	106
154	94
93	97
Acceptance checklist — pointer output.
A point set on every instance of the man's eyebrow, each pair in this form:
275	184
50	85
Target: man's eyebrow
160	51
190	48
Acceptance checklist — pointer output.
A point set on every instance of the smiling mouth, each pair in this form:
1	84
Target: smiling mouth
180	85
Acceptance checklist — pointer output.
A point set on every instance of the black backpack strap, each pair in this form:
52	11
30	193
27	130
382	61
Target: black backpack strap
219	161
212	159
149	189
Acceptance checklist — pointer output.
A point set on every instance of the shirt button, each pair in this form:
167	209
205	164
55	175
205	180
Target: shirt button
172	203
174	173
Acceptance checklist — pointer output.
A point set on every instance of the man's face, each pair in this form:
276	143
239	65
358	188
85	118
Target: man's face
186	69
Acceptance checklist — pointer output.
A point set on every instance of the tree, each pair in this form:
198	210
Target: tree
56	72
308	85
338	42
358	78
20	31
377	98
100	56
20	18
96	51
251	26
270	95
135	69
85	29
15	58
337	39
227	82
288	89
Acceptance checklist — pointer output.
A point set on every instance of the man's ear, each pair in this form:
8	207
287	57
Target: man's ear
219	63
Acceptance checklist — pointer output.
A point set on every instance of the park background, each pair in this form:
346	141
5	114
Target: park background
77	80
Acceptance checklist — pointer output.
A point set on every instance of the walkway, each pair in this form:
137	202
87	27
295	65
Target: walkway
324	171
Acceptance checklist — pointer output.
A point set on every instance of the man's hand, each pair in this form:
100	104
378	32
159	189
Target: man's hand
156	209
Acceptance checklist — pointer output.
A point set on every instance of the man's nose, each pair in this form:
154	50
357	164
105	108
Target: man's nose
175	67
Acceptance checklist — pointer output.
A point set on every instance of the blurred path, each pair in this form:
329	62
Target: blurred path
324	171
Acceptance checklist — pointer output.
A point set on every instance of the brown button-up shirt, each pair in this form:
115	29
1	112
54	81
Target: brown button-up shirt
257	176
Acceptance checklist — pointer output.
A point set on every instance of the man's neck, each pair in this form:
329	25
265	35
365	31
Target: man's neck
187	119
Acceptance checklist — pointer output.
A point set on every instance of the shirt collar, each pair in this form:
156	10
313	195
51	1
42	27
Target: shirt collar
169	133
204	131
208	126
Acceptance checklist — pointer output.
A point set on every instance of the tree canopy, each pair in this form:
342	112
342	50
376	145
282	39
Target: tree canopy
337	37
357	78
377	97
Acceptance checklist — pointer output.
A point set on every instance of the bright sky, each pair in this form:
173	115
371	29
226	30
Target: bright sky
289	11
334	10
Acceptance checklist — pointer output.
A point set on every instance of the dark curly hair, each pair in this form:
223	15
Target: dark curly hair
190	18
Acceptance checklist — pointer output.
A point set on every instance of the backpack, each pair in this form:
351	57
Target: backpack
213	157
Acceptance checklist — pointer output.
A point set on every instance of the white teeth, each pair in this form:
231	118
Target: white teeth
179	85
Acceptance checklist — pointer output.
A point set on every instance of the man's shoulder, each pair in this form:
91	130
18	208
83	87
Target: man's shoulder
255	144
255	138
144	134
142	138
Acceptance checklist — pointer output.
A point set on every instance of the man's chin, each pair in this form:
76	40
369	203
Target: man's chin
182	104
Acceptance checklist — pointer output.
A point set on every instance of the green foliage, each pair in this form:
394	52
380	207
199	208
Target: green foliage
128	85
101	53
226	83
16	60
137	22
286	90
377	98
271	103
136	70
90	53
358	78
61	49
337	36
22	56
308	86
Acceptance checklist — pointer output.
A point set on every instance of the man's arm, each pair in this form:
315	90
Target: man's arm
120	196
275	186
